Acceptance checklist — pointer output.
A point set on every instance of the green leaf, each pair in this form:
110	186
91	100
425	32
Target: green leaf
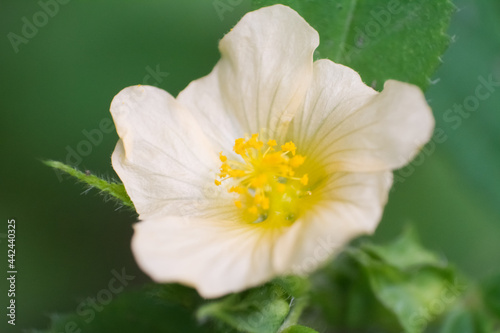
295	286
464	320
176	293
139	311
298	306
458	320
417	298
478	312
381	39
416	287
491	295
385	288
342	294
258	310
405	252
299	329
114	189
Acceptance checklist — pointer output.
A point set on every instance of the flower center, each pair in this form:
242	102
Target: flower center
266	181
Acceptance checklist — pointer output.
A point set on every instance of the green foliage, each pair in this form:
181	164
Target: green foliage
417	296
404	253
295	286
370	288
458	320
341	296
464	320
299	329
491	294
386	288
258	310
381	39
114	189
409	281
479	312
176	308
149	310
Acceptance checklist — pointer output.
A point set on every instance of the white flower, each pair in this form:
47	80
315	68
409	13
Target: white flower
302	153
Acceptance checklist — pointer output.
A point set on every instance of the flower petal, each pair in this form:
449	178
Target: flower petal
162	157
216	257
349	127
261	79
351	205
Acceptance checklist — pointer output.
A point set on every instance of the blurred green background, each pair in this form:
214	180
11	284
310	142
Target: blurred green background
59	85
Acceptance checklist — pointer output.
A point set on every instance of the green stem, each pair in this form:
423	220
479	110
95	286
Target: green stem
115	189
298	306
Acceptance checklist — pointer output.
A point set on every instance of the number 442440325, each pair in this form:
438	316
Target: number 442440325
11	229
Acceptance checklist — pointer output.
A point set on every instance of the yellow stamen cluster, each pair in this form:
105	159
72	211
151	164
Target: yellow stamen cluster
264	179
